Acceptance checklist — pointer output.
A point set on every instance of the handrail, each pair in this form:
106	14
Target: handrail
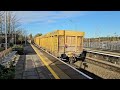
5	52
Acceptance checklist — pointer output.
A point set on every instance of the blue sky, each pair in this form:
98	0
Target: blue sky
93	23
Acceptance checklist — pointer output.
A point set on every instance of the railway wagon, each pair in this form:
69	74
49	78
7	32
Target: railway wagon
36	40
62	43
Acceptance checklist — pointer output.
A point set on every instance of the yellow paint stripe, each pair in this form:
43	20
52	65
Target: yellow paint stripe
47	65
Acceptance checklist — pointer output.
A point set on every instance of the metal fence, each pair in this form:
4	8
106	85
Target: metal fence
105	45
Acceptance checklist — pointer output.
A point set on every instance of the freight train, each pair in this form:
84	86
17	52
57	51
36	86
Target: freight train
64	44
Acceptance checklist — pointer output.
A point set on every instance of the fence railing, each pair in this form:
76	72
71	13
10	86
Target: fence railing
4	53
105	45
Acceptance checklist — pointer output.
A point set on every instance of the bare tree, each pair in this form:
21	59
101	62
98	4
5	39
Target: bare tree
1	21
39	34
13	29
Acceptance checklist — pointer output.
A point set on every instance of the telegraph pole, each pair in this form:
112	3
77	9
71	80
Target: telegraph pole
5	30
12	31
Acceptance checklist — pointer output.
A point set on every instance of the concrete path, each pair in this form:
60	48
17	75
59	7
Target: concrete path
29	66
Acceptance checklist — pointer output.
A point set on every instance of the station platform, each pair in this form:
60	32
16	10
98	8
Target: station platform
37	64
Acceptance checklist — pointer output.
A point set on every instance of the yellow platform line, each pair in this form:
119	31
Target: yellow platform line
46	64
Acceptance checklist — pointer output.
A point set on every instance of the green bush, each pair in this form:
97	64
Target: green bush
18	48
7	73
11	44
2	48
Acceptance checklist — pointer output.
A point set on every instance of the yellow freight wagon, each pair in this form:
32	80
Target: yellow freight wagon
62	43
36	40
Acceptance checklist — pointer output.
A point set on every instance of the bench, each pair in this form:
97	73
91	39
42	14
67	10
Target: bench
8	59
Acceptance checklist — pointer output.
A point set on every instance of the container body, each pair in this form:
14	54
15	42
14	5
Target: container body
61	42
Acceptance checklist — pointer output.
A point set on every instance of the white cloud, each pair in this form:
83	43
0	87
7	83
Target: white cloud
45	16
50	21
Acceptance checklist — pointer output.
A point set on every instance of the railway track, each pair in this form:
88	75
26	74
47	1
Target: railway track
101	68
113	54
109	58
92	75
101	63
104	64
108	63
